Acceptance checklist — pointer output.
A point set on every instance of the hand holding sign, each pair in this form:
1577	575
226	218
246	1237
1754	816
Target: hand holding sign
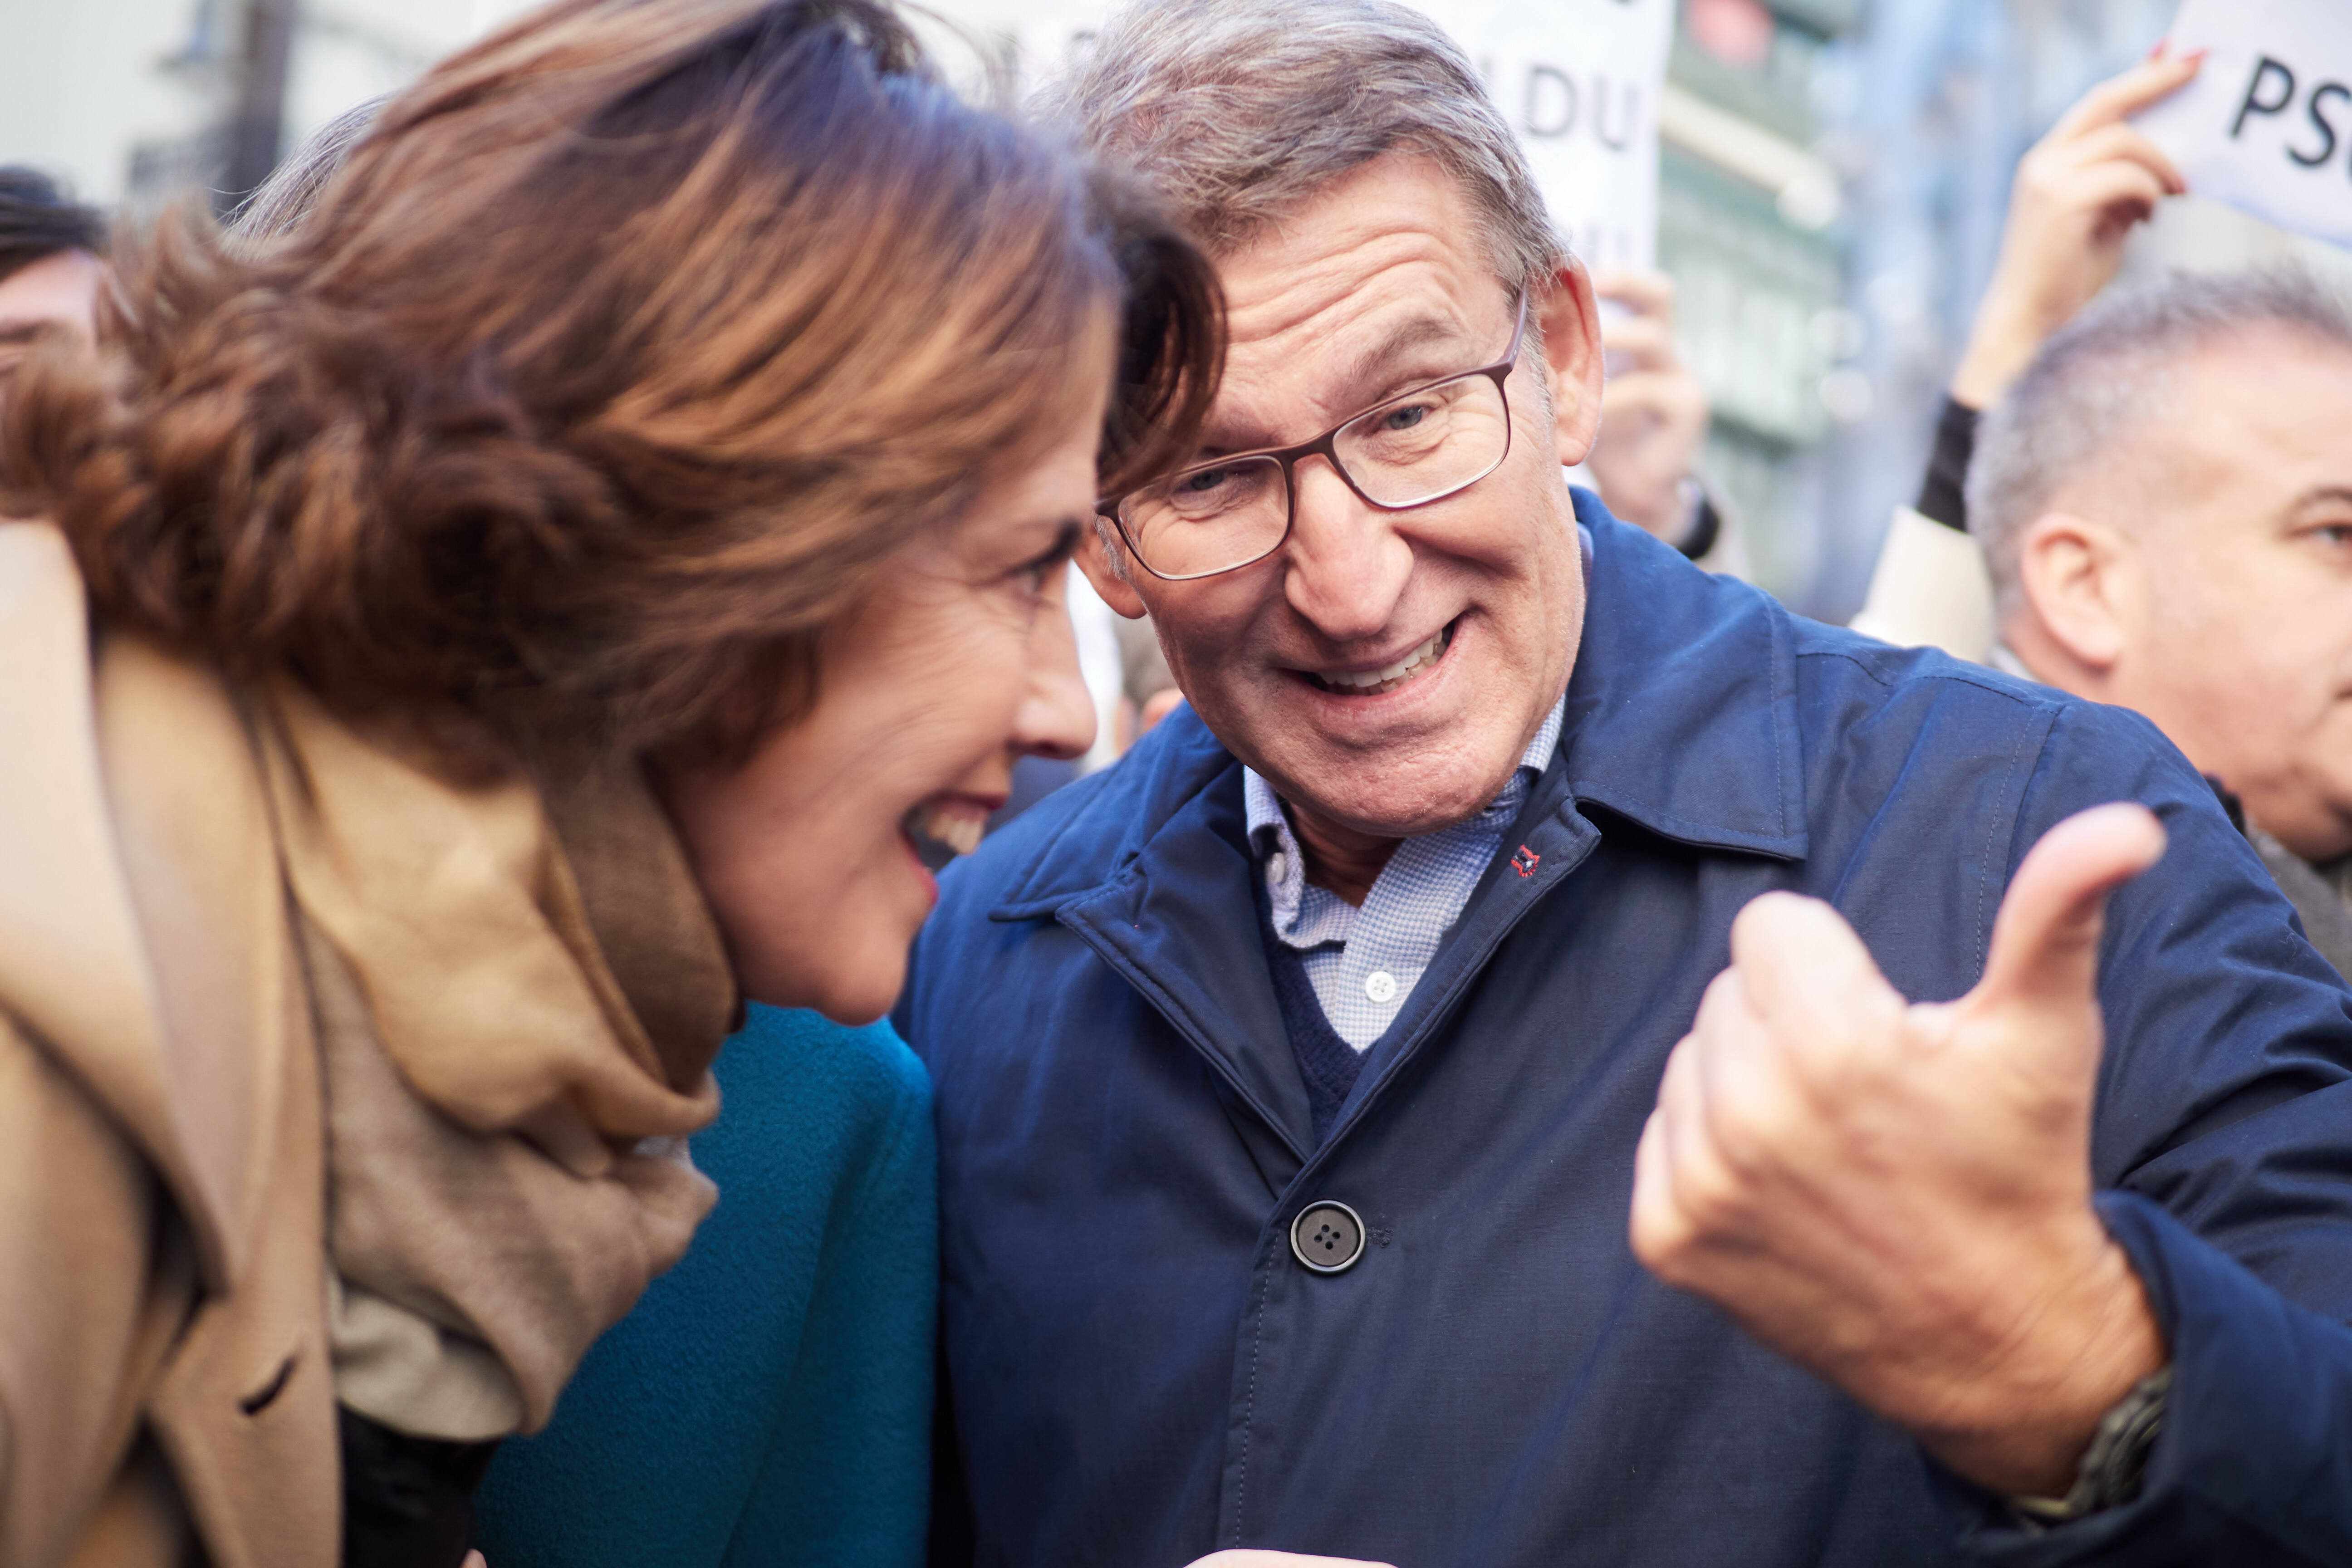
2078	195
2268	126
1653	408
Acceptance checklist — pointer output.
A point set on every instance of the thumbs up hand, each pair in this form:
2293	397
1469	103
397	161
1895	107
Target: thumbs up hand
1898	1195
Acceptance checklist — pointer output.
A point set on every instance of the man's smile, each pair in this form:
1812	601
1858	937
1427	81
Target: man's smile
1381	680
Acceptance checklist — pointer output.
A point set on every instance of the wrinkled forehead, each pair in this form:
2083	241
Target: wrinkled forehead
1380	281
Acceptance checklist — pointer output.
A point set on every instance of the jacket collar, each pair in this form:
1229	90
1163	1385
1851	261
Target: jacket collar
1682	713
1681	716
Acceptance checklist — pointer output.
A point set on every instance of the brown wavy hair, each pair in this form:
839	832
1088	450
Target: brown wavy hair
603	374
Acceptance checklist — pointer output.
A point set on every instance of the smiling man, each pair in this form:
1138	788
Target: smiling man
1553	1059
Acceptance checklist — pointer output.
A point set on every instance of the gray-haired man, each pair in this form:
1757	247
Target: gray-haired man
2164	501
1450	1097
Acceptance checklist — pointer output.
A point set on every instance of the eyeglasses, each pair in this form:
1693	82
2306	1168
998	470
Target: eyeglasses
1414	448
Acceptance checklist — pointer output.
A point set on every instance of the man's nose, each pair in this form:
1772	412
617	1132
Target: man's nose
1346	567
1057	716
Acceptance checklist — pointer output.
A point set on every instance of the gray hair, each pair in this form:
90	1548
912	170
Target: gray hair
1236	111
2111	375
292	189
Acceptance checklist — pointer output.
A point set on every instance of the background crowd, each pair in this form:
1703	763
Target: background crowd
1824	327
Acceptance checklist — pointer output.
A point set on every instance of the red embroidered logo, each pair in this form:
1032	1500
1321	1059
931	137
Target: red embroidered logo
1526	861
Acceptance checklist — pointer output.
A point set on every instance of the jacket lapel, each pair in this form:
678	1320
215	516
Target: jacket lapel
74	965
1556	839
1179	925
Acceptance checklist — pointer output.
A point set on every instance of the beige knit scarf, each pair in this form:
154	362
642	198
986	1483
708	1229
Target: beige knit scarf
519	992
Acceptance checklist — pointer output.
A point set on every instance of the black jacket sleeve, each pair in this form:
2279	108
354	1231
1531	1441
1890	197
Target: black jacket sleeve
1943	494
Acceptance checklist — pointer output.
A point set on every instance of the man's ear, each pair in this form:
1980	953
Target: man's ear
1571	351
2074	574
1107	572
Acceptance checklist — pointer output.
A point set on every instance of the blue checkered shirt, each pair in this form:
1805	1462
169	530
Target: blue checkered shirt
1364	961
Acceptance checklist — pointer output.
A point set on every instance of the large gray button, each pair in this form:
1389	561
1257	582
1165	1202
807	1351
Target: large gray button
1327	1238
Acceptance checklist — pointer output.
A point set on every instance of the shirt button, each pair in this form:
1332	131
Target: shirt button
1277	867
1327	1238
1380	985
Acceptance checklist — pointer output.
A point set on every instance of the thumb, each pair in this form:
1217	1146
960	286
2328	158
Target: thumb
2045	941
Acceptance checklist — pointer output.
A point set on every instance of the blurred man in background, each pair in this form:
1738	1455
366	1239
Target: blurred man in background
2164	501
2157	517
50	266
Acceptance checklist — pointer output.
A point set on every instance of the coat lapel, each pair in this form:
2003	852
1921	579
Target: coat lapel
1179	925
192	828
74	965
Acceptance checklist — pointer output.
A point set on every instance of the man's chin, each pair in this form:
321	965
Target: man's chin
1406	807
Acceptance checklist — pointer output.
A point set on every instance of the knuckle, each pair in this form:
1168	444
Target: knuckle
1835	1065
1758	917
1751	1136
1722	999
1711	1199
1662	1240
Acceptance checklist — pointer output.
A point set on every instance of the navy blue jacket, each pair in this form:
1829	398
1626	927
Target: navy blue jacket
1137	1372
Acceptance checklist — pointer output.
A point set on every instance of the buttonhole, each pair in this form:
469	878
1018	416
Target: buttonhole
260	1400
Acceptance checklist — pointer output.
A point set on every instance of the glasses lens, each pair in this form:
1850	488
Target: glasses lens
1209	519
1429	443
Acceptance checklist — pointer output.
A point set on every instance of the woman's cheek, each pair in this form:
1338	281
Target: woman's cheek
993	677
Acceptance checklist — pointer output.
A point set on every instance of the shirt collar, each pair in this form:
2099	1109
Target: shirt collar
1276	845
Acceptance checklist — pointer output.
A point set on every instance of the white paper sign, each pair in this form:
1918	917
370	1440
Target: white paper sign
1579	80
2267	124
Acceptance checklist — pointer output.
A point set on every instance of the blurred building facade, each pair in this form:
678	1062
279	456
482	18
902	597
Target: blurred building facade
1834	176
1751	224
139	101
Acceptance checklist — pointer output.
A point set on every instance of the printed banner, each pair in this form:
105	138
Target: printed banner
1579	80
2267	124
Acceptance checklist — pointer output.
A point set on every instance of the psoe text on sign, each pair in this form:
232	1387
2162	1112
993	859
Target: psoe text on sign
2309	140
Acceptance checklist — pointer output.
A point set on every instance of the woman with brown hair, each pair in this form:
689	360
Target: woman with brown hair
456	652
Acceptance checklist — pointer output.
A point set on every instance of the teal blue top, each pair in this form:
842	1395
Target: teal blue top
770	1399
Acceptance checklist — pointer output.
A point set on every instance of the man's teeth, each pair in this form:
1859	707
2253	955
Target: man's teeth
955	828
1373	682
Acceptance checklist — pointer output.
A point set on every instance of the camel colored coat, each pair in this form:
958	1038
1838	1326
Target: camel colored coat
163	1363
228	925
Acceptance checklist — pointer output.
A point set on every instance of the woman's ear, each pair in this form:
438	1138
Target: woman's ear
2074	576
1104	561
1570	319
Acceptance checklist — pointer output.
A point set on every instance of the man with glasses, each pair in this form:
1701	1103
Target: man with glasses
1484	1087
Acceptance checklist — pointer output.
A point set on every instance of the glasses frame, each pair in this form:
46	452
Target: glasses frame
1326	447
